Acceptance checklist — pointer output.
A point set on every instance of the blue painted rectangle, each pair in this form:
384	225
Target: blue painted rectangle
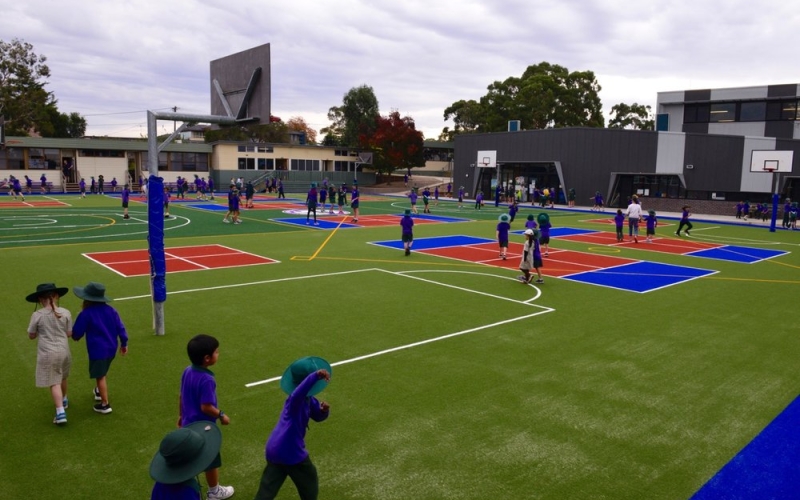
321	223
210	206
436	242
766	468
733	253
438	218
641	277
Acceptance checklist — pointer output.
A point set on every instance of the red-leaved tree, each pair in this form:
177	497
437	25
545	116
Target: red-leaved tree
396	144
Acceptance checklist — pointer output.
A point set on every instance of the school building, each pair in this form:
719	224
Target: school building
709	149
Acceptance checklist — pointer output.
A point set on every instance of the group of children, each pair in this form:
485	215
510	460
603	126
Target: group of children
15	187
195	446
329	192
634	217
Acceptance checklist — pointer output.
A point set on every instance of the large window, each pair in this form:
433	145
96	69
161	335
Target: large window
247	163
266	164
188	162
753	111
344	166
750	111
12	159
307	165
723	112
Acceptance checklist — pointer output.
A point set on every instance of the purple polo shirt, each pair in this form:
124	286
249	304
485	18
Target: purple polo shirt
530	224
286	445
126	195
545	228
198	387
619	219
103	329
407	223
502	231
181	491
651	221
413	195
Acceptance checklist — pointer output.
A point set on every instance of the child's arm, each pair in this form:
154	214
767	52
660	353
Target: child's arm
215	412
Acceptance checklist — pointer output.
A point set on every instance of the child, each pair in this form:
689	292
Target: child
198	401
53	327
503	227
684	221
341	199
426	199
531	257
323	196
234	205
286	448
126	196
82	185
311	203
412	195
249	192
231	196
461	197
183	454
104	334
479	200
331	197
436	196
544	236
619	220
652	222
354	202
530	223
512	211
407	223
792	216
166	202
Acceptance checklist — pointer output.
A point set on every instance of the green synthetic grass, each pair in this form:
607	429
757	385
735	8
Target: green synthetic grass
594	393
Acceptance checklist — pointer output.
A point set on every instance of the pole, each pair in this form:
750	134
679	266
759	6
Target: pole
157	279
775	199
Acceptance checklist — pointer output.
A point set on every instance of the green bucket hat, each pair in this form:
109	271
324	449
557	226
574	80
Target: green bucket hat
530	216
93	292
543	218
186	452
300	369
44	288
408	211
503	218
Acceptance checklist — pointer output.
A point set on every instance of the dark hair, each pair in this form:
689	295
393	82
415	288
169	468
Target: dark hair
201	346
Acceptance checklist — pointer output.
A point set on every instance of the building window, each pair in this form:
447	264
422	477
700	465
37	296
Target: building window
723	112
343	166
188	162
101	153
305	165
264	149
266	164
247	163
247	149
753	111
789	110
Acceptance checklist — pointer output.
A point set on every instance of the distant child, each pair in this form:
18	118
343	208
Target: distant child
16	187
531	257
354	202
323	196
234	201
104	332
407	223
745	210
126	196
598	201
787	207
652	222
82	185
412	196
286	448
166	201
436	196
311	204
113	184
331	197
793	216
183	454
198	401
739	210
341	199
94	185
281	194
461	197
52	325
619	221
249	192
503	227
479	200
43	180
231	196
544	236
684	221
530	223
28	185
426	199
512	211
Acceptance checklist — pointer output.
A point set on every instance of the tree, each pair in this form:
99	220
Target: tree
634	116
546	95
23	98
395	142
298	124
357	116
24	102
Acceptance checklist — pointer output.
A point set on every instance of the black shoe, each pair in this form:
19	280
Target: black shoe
408	251
102	408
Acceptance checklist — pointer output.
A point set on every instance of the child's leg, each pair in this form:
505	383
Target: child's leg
102	387
56	391
271	481
212	477
305	478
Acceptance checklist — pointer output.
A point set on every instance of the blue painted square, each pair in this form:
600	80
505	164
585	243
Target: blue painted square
733	253
436	242
210	206
641	277
322	223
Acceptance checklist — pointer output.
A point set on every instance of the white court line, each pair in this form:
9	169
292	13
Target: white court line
543	310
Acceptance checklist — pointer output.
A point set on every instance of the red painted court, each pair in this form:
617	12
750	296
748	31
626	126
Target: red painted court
33	204
130	263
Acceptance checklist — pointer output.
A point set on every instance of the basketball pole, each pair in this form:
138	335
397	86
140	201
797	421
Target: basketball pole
775	200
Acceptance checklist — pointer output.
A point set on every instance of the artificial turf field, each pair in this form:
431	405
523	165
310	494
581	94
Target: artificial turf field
451	379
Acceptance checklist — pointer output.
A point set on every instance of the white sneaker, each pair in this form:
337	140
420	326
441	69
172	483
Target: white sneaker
222	492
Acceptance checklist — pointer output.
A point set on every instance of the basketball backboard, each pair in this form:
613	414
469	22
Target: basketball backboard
240	85
486	159
771	161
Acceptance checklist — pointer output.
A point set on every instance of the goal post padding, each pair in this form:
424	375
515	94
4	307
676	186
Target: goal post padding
155	237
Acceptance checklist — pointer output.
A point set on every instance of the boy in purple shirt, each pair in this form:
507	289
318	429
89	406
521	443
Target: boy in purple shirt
104	334
286	448
126	196
652	222
413	197
544	239
619	221
311	204
198	401
407	223
502	235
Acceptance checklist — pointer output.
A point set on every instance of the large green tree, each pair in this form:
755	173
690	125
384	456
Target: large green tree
546	95
24	102
631	116
356	116
395	142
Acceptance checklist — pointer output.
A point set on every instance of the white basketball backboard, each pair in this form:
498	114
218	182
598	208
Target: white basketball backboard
486	159
771	161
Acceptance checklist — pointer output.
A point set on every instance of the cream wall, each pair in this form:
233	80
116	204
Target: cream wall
88	167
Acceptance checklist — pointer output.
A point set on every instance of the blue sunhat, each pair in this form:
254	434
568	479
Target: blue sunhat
300	369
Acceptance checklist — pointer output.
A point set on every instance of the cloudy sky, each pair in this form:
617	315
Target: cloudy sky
110	61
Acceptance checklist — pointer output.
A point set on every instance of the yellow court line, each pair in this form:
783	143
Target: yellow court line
783	264
327	239
386	261
754	280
